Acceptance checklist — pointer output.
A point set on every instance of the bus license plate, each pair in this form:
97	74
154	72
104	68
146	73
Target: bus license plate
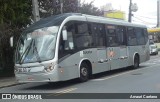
24	70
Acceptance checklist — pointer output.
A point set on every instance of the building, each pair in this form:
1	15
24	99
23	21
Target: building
109	12
117	14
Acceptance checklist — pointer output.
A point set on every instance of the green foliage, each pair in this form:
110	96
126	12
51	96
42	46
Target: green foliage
15	12
52	7
14	17
89	8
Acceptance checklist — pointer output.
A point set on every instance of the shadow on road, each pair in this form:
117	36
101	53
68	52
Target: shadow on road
54	85
114	72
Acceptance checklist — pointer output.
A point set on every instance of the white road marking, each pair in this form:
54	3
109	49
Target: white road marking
97	79
67	90
149	63
62	92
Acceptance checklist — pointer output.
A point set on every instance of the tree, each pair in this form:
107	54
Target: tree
15	12
52	7
89	8
14	17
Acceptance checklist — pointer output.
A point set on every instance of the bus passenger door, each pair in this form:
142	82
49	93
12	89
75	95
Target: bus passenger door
112	47
103	61
123	57
98	31
122	40
113	56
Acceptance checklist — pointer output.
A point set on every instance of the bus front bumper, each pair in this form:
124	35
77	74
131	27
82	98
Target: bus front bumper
37	77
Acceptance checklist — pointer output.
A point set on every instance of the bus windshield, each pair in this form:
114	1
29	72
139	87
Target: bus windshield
37	46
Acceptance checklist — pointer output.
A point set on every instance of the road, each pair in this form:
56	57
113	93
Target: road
146	79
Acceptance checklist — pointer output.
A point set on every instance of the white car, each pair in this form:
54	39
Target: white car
153	48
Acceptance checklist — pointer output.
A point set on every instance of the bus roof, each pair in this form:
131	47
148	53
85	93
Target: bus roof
113	21
56	20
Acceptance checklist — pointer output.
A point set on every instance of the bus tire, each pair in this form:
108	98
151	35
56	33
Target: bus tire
136	62
84	72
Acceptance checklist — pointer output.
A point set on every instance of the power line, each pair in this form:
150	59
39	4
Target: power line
144	21
144	16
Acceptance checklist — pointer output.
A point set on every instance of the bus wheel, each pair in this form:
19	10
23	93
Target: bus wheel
136	62
84	72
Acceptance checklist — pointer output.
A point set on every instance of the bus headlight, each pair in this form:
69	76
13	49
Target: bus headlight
49	68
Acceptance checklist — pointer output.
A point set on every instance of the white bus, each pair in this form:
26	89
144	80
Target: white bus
69	46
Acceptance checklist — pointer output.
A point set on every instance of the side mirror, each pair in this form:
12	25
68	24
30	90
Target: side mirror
64	34
11	41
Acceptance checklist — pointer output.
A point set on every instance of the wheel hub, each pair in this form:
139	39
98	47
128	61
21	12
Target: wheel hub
84	71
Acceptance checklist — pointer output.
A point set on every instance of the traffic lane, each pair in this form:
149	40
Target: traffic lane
40	87
153	60
46	88
98	86
142	80
155	56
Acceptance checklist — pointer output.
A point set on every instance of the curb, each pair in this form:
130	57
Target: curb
8	82
11	85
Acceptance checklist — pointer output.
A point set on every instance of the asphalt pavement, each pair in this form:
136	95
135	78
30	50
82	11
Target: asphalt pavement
142	80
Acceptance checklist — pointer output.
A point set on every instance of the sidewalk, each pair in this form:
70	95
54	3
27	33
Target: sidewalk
8	81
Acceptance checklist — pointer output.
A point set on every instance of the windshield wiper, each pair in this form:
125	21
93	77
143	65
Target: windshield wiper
26	51
37	54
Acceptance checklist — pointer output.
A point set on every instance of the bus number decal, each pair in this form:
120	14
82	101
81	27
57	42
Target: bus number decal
87	52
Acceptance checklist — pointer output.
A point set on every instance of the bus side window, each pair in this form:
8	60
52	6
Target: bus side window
68	44
101	35
111	36
98	34
145	35
121	33
132	41
82	36
140	36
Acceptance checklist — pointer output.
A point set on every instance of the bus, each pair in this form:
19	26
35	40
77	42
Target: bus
73	45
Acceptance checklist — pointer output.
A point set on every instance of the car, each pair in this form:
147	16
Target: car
153	48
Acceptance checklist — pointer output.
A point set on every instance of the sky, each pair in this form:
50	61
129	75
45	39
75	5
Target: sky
146	14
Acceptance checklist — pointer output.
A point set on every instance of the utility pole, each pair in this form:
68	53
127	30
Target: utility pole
132	8
158	15
130	12
35	10
79	4
61	3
